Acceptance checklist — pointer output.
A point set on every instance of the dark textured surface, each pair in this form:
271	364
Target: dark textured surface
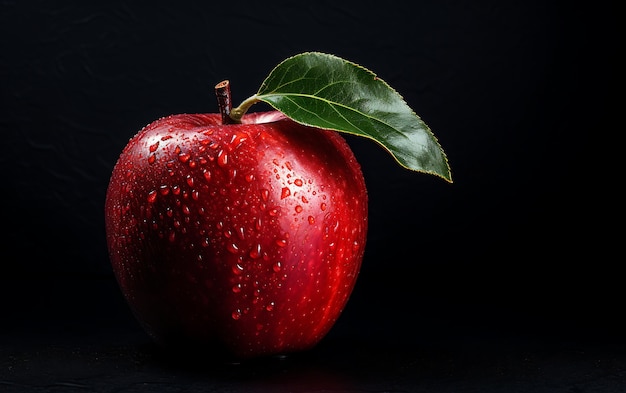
90	342
509	279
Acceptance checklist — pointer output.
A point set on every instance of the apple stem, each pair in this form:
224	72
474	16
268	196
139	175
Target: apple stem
224	101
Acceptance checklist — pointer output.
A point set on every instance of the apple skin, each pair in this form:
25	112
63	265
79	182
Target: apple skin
244	240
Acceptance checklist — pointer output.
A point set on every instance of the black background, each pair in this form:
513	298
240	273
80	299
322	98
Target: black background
518	260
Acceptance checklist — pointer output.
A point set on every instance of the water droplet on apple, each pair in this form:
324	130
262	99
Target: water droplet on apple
237	269
164	190
311	220
298	209
184	157
323	206
237	288
222	158
152	159
265	194
281	242
207	175
152	196
189	180
172	236
232	248
277	266
256	251
236	314
298	182
154	146
186	210
270	306
249	177
285	192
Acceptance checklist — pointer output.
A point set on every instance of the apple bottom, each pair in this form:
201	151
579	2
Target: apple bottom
203	325
277	312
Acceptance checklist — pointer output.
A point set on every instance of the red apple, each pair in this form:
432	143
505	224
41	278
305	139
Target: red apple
244	238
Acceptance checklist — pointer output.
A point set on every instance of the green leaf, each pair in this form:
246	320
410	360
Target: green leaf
326	91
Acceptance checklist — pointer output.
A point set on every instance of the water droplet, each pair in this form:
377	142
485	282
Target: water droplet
232	248
256	251
166	137
285	192
298	209
323	206
205	242
195	194
222	158
207	175
237	288
311	220
164	190
152	159
190	180
152	196
172	236
249	177
304	200
273	212
237	269
298	182
265	194
154	146
236	314
184	157
277	266
237	140
288	165
176	190
186	210
270	306
281	242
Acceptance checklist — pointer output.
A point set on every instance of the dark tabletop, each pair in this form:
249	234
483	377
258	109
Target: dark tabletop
77	335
